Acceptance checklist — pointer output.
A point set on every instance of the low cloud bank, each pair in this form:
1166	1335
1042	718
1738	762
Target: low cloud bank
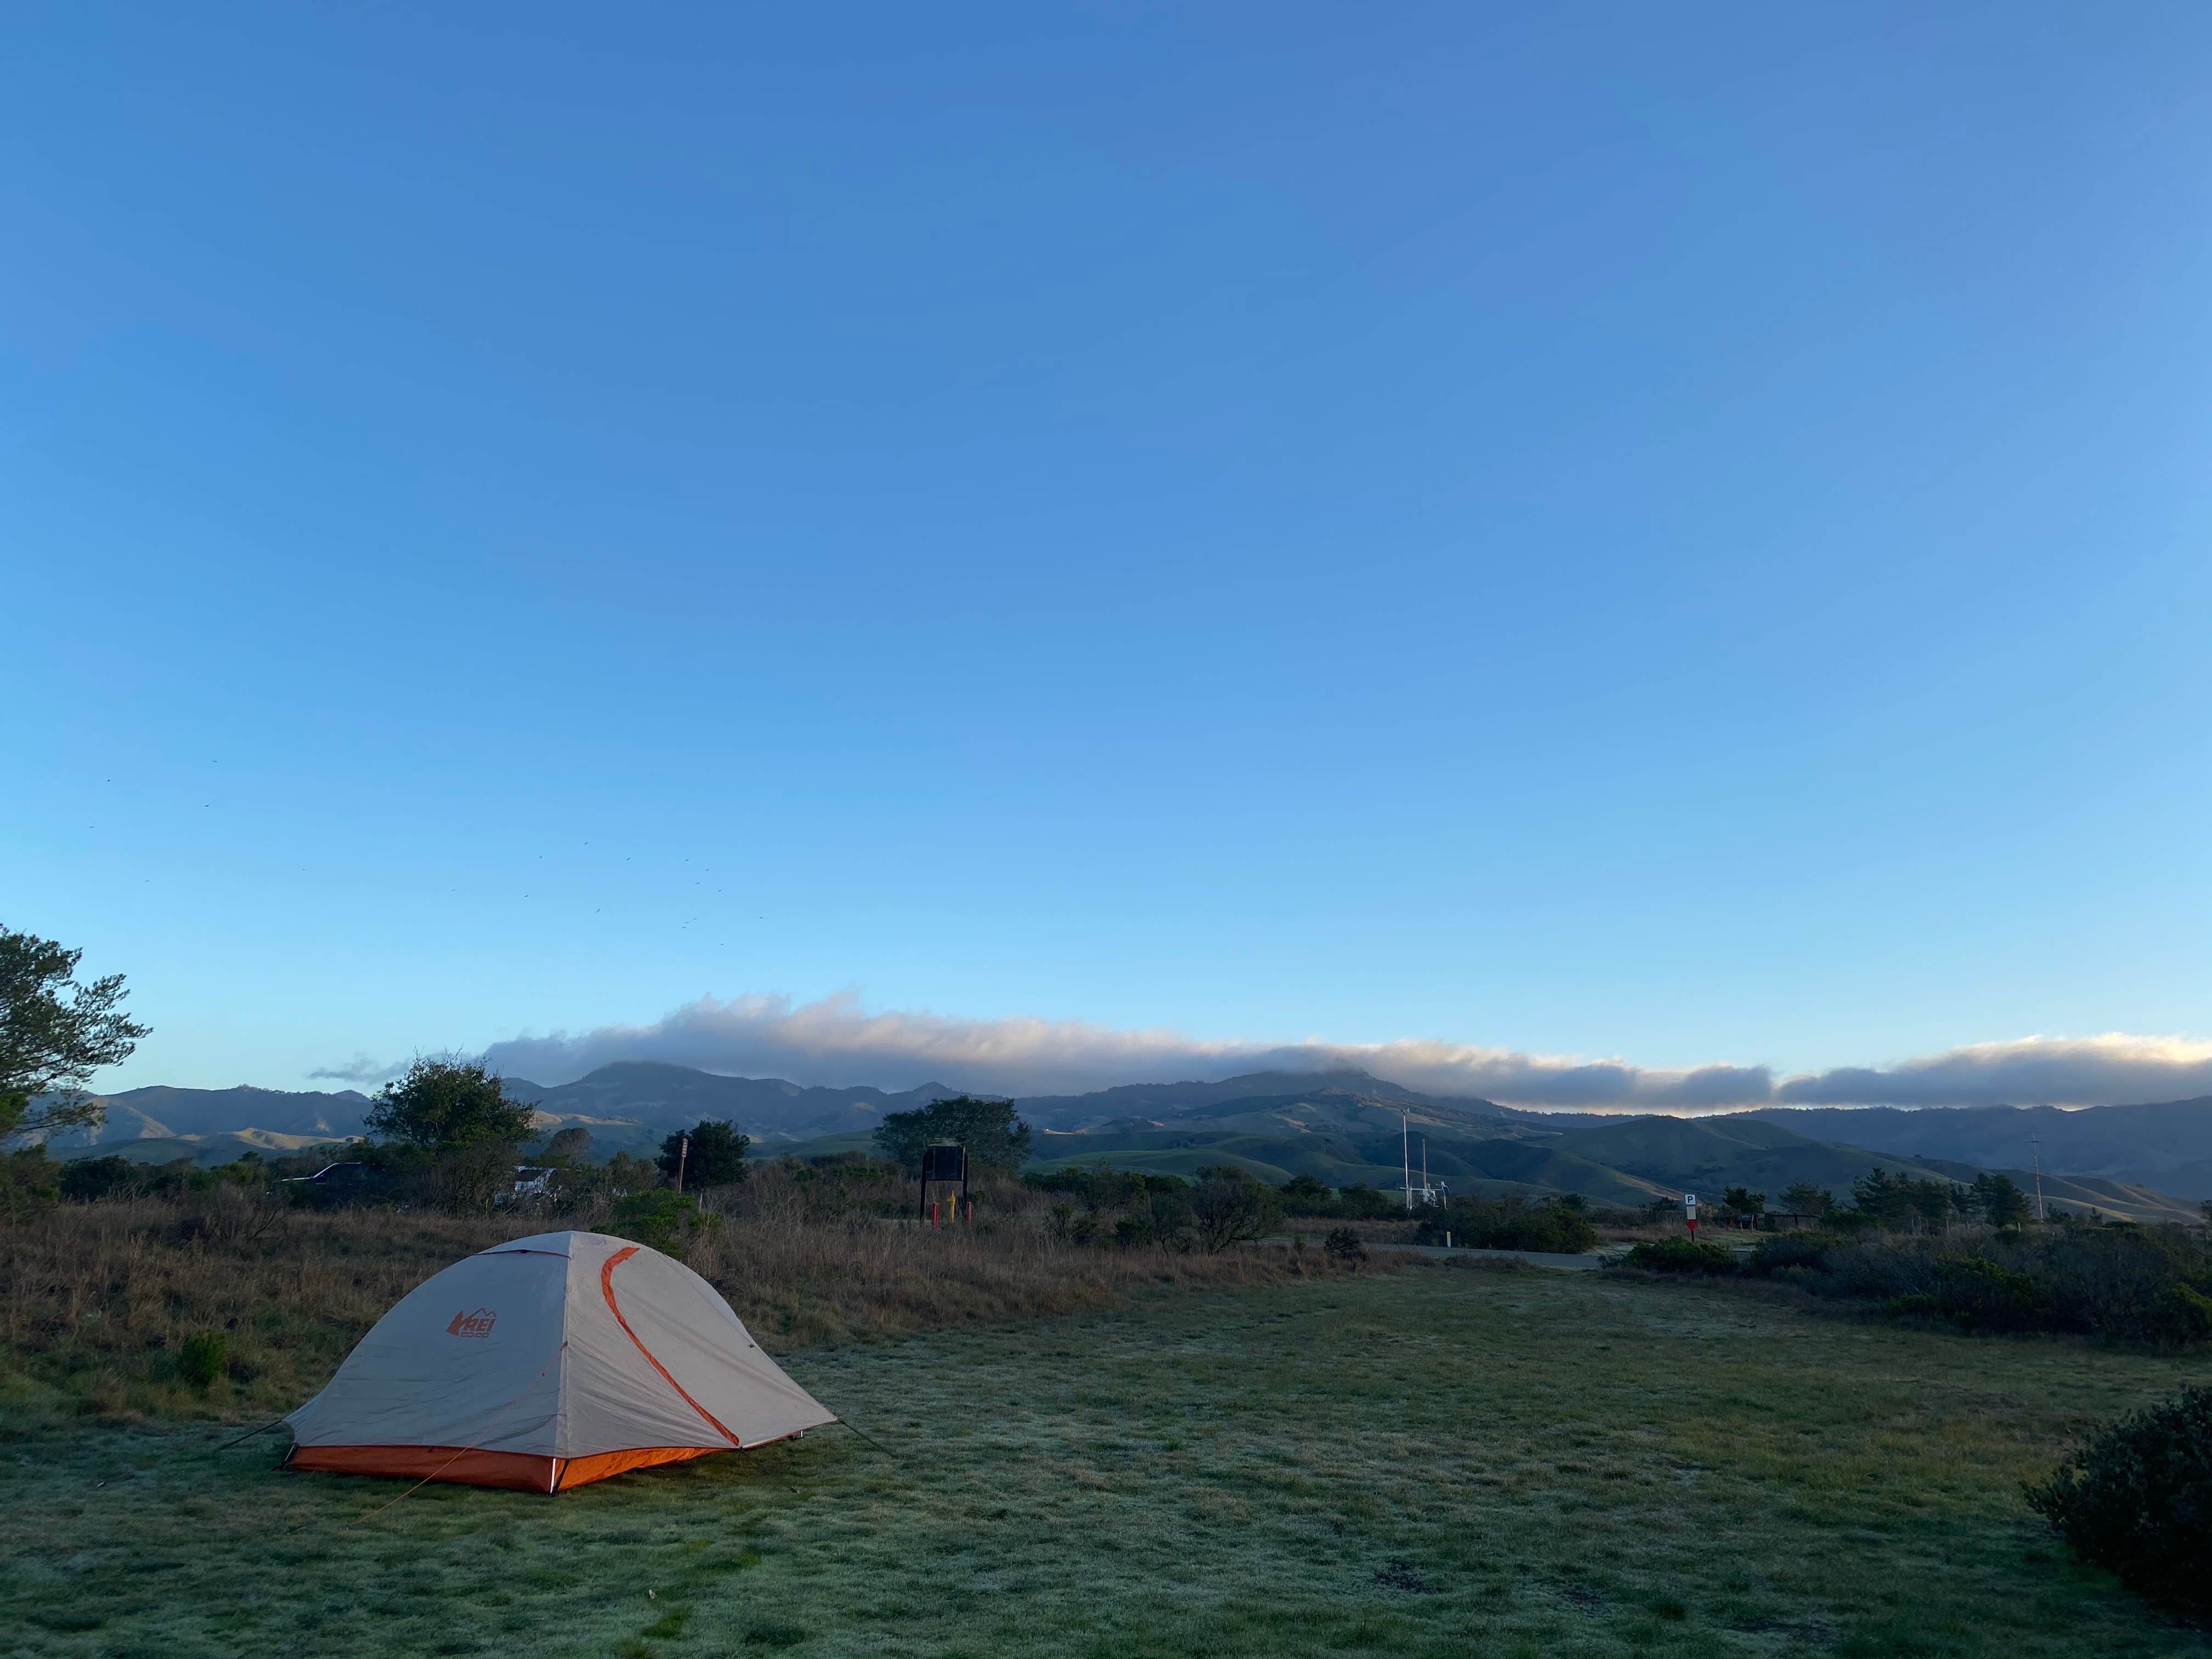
2099	1071
836	1042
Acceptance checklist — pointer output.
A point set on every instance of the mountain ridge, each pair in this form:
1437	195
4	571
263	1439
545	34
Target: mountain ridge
1340	1126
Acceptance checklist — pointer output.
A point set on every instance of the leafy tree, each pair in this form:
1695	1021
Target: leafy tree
1742	1200
716	1159
1803	1198
55	1033
445	1105
1230	1206
994	1135
570	1145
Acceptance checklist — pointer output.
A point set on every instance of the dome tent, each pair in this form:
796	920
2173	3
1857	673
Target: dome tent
546	1362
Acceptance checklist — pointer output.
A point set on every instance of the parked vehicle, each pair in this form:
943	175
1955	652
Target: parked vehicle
533	1182
338	1184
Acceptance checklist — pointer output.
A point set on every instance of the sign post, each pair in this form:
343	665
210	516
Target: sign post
1690	1214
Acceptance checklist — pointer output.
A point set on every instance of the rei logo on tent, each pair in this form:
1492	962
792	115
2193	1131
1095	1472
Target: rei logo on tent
472	1324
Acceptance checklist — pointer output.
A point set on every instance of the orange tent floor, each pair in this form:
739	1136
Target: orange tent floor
518	1471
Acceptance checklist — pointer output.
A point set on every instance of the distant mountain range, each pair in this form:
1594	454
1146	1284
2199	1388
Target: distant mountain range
2150	1162
2167	1145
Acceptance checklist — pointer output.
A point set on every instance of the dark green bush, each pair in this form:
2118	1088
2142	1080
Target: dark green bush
1343	1248
1561	1225
29	1182
660	1220
1681	1256
87	1180
2151	1286
2137	1501
1980	1294
1782	1251
199	1359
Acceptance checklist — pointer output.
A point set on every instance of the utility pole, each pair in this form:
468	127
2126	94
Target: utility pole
683	1153
2035	1152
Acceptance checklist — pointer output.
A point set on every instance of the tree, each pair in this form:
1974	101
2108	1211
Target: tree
1230	1206
1803	1198
1742	1200
716	1158
1931	1202
996	1139
2000	1200
1886	1198
570	1145
51	1044
445	1105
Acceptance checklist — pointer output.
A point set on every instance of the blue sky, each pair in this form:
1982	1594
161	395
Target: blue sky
1580	532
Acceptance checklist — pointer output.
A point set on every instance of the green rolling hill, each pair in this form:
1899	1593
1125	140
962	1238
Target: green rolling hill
1342	1134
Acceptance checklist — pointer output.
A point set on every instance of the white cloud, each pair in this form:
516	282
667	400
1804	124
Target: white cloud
2094	1071
836	1041
360	1069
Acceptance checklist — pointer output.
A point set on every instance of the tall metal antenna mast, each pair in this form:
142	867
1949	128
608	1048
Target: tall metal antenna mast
2035	1152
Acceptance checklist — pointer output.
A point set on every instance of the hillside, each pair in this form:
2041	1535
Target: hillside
1175	1100
658	1097
2166	1144
1704	1155
1341	1128
163	1113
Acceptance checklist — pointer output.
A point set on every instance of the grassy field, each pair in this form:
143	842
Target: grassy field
96	1299
1446	1462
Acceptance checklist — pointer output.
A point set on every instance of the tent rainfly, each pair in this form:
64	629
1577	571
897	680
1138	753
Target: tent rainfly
546	1362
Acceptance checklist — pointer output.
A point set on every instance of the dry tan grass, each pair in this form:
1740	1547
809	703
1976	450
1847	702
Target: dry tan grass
96	1299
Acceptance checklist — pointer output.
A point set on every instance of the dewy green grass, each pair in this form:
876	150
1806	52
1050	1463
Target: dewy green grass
1433	1463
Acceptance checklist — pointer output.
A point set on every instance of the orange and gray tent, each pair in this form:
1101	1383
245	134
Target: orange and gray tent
547	1362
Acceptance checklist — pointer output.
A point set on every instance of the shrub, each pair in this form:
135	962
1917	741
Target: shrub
1229	1208
660	1220
2137	1501
1558	1225
1343	1247
29	1182
199	1359
1850	1222
1980	1294
1681	1256
86	1180
1784	1252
